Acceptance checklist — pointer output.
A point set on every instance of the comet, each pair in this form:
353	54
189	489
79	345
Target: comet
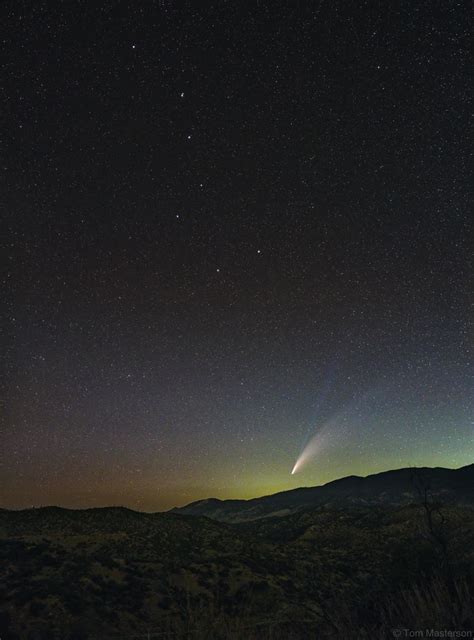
334	430
313	443
313	447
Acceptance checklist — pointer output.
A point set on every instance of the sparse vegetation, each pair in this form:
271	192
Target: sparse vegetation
115	573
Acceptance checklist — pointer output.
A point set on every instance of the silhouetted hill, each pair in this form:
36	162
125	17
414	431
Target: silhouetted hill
360	554
116	573
397	487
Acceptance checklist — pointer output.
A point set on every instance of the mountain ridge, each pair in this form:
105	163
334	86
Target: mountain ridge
394	486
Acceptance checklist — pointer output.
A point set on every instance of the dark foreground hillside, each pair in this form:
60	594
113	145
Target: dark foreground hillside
320	573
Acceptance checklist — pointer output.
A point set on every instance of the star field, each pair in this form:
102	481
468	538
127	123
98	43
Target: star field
214	212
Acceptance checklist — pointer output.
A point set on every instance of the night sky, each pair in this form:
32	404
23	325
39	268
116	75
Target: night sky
230	227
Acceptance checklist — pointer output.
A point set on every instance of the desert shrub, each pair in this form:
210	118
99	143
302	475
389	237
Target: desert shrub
37	607
5	621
